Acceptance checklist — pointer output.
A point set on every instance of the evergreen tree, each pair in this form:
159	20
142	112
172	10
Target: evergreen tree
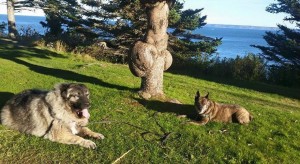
122	22
149	57
284	45
128	21
64	21
184	22
131	25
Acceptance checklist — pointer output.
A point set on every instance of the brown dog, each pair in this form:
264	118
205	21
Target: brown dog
209	110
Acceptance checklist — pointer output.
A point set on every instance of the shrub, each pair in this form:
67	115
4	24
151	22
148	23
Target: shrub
284	75
2	28
28	35
99	52
249	67
193	64
222	68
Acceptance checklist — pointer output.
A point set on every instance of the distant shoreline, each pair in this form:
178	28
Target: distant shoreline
241	26
24	15
207	25
236	39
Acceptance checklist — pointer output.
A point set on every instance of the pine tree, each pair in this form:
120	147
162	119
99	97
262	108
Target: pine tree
135	22
64	21
124	21
284	45
121	22
184	22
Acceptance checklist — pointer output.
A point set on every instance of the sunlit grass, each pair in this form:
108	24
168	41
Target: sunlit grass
124	118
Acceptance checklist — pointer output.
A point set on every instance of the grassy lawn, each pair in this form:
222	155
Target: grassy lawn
149	129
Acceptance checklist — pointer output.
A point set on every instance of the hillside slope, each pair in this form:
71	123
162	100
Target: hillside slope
149	128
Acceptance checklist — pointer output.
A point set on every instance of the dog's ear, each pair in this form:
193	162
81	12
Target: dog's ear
207	95
63	89
197	94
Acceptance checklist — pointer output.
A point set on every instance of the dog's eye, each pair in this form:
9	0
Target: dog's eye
75	96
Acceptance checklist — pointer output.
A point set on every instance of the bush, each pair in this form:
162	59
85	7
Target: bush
222	68
192	63
249	67
28	35
2	28
284	75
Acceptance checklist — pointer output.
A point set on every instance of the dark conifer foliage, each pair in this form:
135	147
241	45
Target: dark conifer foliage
122	22
184	22
284	45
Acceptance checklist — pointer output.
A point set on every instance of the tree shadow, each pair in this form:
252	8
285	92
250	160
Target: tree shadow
257	86
13	52
14	49
186	110
69	75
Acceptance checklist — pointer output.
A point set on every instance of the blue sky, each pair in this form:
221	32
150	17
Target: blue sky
233	12
237	12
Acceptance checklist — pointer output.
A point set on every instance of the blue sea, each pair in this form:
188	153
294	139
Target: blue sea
26	21
236	39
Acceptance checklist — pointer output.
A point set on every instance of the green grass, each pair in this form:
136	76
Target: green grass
124	118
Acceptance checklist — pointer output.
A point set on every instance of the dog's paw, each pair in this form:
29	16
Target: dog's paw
98	136
88	144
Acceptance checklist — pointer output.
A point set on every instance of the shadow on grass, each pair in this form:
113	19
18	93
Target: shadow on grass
257	86
12	52
169	107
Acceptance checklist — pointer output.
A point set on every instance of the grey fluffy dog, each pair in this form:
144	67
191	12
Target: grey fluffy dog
60	115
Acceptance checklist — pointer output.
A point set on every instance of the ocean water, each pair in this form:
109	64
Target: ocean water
236	39
26	22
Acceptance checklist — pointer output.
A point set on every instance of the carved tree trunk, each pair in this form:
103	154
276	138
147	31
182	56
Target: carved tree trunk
12	30
149	58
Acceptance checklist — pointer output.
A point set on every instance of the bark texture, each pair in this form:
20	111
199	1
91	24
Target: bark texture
12	30
149	58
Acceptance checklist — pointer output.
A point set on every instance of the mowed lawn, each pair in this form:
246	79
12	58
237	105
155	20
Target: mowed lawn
149	131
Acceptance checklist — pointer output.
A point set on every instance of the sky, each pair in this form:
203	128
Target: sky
238	12
232	12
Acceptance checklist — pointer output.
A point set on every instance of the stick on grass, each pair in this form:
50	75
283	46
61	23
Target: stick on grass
117	160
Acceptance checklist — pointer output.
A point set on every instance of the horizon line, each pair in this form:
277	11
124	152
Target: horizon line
219	24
